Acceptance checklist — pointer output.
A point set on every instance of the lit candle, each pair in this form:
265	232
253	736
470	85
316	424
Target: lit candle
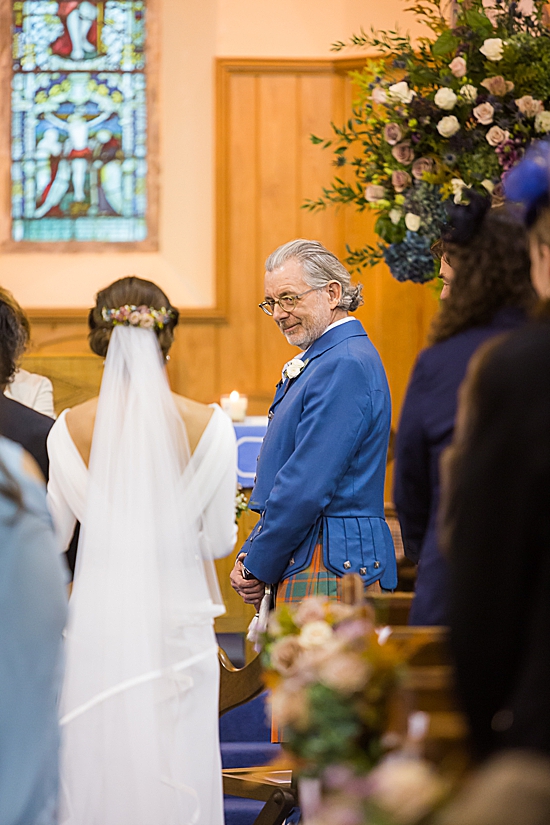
234	405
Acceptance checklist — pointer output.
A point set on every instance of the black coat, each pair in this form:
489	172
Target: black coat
26	427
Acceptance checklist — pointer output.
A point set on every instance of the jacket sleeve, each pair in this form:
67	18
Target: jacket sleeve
412	489
337	416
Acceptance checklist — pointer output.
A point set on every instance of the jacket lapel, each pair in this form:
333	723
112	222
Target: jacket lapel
321	345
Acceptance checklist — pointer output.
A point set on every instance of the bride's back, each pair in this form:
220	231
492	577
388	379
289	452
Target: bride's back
81	420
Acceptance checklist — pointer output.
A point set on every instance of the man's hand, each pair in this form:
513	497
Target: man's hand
250	590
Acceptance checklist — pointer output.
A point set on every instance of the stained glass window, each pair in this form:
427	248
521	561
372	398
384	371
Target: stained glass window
79	121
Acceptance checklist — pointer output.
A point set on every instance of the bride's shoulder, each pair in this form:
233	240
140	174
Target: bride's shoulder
195	415
80	422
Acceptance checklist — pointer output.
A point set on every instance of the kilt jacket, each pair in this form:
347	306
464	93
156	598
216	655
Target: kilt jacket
322	465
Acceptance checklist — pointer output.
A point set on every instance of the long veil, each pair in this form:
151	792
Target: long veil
141	609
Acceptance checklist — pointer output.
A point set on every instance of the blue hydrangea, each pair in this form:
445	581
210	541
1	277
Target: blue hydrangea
411	259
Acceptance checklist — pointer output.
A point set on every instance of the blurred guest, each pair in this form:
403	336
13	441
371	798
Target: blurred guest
32	616
32	390
489	292
495	514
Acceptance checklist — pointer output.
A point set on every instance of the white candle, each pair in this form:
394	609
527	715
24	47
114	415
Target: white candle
235	405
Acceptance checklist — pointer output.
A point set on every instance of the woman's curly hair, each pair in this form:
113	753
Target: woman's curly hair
14	336
134	292
491	271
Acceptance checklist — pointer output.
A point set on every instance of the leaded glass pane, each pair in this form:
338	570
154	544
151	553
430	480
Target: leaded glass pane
79	121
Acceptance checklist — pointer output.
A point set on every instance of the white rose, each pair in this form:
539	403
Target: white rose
542	122
488	185
315	634
395	216
294	368
445	98
493	49
458	186
400	91
379	95
469	93
448	126
412	222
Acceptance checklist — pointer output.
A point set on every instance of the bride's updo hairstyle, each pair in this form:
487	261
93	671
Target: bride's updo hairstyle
130	292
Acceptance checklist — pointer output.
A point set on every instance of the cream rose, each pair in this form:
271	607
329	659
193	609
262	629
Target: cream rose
488	185
469	93
445	98
457	187
134	318
401	92
458	67
484	113
448	126
344	672
294	367
374	193
542	122
310	610
284	654
315	633
495	136
529	106
493	49
147	321
395	216
406	788
412	222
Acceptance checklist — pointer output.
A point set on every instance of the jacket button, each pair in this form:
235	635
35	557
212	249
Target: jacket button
347	565
376	565
363	571
270	414
292	561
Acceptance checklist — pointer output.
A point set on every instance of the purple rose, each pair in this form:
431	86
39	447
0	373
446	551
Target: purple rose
420	166
392	133
401	180
403	153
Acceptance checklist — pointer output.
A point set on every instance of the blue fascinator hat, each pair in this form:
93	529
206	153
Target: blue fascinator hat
528	183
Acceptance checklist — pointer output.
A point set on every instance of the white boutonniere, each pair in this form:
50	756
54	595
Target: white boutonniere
294	368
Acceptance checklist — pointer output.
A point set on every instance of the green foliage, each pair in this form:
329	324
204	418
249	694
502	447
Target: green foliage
446	134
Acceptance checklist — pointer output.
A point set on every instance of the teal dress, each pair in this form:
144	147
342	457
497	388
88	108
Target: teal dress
33	608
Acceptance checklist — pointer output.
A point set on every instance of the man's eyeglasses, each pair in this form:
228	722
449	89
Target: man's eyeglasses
286	302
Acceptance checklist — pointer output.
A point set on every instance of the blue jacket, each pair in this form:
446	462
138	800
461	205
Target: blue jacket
322	464
425	428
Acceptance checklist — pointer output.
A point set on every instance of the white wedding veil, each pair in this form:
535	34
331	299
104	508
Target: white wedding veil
142	603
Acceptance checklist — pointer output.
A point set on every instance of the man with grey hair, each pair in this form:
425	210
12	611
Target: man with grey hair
320	477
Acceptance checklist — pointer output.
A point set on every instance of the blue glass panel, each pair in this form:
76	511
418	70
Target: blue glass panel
79	137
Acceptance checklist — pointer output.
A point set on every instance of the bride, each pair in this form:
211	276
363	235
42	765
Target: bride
151	477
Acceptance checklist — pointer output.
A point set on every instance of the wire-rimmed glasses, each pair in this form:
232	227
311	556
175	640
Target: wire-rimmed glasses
286	302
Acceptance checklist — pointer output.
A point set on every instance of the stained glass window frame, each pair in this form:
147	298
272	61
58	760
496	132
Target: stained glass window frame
150	73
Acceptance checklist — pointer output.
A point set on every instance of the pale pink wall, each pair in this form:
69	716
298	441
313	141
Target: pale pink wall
192	34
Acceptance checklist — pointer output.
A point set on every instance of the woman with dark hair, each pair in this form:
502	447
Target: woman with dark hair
28	388
490	293
151	476
495	516
33	609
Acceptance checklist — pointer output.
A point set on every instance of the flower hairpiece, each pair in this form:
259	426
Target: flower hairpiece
133	316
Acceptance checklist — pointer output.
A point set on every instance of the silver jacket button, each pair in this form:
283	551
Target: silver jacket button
363	571
376	565
347	565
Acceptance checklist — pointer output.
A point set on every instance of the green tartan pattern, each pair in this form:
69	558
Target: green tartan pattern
315	580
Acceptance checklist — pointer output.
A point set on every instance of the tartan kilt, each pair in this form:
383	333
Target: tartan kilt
315	580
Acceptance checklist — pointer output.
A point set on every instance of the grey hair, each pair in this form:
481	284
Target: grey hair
320	267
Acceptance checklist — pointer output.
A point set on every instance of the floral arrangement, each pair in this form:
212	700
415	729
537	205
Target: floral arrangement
433	120
332	677
142	316
241	502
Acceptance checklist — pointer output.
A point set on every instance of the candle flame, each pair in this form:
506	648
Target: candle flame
234	396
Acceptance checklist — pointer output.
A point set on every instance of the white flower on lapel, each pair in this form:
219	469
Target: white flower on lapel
294	368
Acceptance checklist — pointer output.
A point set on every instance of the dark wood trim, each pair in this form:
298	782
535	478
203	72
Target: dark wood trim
77	315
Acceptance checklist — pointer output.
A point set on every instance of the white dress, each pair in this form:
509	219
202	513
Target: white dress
117	769
32	390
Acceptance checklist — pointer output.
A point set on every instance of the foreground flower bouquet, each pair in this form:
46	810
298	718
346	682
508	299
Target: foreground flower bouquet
332	678
433	119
